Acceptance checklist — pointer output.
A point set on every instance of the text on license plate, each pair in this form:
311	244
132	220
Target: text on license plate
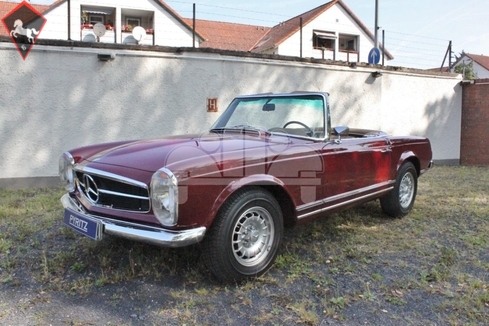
83	225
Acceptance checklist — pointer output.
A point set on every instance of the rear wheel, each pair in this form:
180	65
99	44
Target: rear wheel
400	200
245	236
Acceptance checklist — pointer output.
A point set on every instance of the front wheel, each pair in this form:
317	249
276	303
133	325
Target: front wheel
400	200
245	236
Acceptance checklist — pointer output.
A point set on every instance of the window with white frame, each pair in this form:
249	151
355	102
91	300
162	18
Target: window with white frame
93	19
324	40
348	43
133	21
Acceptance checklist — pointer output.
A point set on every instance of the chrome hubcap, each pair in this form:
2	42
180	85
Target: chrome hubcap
253	236
406	190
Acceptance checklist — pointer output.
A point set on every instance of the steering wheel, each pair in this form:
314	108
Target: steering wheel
302	124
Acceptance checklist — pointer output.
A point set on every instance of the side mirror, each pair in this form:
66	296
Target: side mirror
340	131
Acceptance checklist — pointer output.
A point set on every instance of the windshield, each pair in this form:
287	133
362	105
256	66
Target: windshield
301	115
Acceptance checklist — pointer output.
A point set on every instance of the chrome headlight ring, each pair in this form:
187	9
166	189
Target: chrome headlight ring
66	171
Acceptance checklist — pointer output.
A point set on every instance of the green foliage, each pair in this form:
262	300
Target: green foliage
467	70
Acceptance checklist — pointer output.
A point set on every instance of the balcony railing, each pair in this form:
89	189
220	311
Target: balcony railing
87	35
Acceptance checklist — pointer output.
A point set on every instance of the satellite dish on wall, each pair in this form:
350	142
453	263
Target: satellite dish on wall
138	33
99	30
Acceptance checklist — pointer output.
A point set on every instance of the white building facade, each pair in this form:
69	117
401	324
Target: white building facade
331	31
75	20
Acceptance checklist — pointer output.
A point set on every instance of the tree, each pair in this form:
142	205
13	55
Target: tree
467	70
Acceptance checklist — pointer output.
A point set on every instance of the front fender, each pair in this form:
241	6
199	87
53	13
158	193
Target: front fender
252	180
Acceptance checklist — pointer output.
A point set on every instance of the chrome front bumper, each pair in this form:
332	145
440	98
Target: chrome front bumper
138	232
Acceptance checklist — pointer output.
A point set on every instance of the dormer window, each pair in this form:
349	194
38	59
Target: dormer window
324	40
348	43
93	15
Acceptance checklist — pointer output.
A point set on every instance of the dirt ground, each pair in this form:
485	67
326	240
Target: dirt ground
353	268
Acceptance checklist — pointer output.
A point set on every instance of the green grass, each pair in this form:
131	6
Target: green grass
355	267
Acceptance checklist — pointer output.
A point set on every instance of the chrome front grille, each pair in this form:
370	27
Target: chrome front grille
112	191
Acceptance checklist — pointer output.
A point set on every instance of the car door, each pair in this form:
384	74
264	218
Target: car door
299	167
355	167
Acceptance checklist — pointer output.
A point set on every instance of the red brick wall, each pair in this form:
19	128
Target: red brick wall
474	149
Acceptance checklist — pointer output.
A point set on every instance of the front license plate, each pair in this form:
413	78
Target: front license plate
83	224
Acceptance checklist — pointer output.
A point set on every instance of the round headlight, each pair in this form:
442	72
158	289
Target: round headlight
66	172
164	197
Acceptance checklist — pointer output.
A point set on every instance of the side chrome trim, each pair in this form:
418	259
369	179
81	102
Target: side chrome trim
390	185
345	195
136	232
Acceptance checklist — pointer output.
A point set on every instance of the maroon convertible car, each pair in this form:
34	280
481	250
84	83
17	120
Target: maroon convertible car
269	160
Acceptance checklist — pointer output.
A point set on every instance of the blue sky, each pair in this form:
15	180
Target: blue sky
417	32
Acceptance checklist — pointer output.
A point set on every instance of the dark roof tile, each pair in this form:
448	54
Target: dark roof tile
284	30
228	36
480	59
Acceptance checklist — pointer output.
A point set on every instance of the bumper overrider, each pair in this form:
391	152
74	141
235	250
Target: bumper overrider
95	227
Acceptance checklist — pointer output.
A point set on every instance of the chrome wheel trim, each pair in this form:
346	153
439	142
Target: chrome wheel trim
406	190
252	237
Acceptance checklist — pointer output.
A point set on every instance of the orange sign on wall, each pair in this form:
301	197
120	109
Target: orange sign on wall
212	105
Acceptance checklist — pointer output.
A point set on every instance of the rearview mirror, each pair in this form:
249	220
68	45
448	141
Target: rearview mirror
269	107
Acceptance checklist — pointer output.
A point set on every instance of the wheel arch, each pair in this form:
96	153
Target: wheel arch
269	183
285	201
410	157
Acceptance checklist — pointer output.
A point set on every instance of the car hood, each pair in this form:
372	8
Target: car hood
189	151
